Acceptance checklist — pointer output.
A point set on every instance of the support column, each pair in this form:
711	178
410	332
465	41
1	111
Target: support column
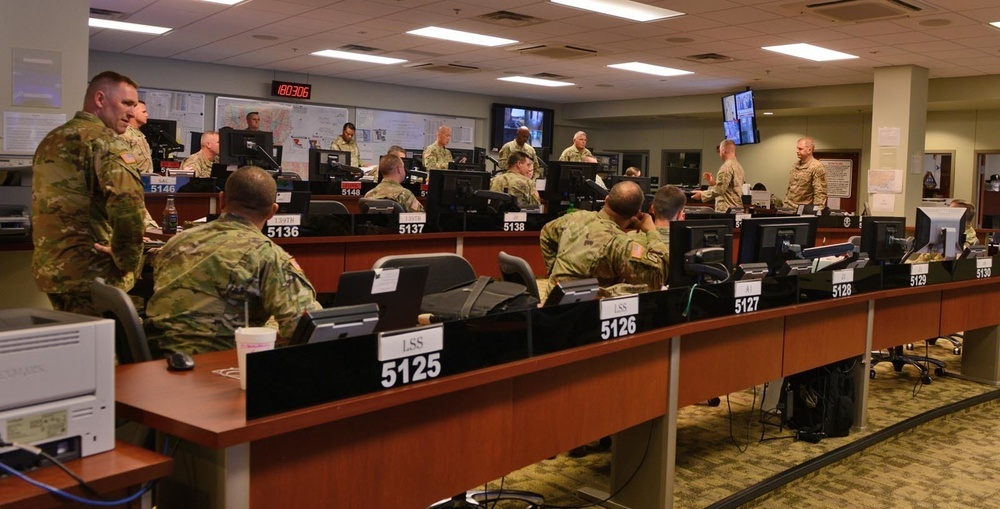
899	101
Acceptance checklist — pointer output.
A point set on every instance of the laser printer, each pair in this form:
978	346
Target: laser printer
57	384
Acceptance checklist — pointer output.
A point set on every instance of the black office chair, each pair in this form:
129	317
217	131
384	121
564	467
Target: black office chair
898	359
327	208
516	269
477	499
954	339
130	339
444	270
379	206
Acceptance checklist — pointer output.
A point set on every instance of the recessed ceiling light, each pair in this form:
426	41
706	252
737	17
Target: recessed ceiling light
537	81
768	113
128	27
995	24
459	36
622	8
809	52
224	2
650	69
331	53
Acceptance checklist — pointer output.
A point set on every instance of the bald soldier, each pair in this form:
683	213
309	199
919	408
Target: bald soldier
201	161
436	156
87	202
517	180
390	188
208	275
594	244
727	186
807	182
520	144
578	151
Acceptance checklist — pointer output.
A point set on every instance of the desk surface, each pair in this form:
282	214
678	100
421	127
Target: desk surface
124	466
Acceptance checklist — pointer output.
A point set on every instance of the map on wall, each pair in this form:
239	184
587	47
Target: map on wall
377	130
296	127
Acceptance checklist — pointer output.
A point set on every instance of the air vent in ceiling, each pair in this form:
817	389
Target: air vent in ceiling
447	68
107	14
551	76
559	51
860	11
709	58
509	19
357	48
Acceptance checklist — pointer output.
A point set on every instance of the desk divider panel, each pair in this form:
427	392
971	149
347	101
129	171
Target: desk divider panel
906	319
975	268
970	308
831	284
907	275
830	335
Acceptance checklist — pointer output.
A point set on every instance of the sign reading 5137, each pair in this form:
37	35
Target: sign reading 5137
618	316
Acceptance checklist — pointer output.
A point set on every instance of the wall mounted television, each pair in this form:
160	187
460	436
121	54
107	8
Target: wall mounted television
507	118
739	118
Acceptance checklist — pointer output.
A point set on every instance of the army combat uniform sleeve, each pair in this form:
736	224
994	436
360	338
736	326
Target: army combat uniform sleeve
549	240
819	184
640	262
285	292
119	181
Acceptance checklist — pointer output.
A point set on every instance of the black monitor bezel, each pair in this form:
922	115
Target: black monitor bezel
751	238
233	153
681	241
440	199
871	231
319	170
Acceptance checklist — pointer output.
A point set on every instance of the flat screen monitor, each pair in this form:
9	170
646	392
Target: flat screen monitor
506	119
940	230
398	292
454	191
335	323
466	167
643	182
246	147
566	183
701	251
776	240
462	156
683	177
739	118
162	134
325	165
571	292
884	239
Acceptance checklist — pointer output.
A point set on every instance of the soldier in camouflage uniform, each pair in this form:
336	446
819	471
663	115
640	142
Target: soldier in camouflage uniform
436	156
578	151
390	188
594	244
140	149
517	180
970	221
520	144
346	143
807	182
201	161
206	275
87	199
727	186
668	205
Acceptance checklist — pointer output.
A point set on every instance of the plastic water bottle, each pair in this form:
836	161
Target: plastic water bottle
169	223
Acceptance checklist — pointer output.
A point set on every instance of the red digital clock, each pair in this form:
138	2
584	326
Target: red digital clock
289	89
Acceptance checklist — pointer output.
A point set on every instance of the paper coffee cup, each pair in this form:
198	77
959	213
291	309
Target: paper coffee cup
249	340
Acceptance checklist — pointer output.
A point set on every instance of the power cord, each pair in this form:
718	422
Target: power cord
52	459
732	437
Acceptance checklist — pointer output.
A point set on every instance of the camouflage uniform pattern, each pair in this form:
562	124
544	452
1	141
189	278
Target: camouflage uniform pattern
518	186
201	165
589	244
643	239
85	190
204	276
352	147
970	236
576	156
437	157
140	149
728	189
511	146
392	190
806	184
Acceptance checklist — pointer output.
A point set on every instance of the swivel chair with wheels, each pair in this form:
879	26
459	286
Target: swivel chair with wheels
379	206
516	270
444	270
898	359
327	207
475	499
130	339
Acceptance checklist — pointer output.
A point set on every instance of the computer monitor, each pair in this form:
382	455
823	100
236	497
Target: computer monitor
455	191
335	323
462	156
573	291
466	167
776	240
161	135
326	165
884	239
246	147
398	292
643	182
940	230
683	177
569	183
701	251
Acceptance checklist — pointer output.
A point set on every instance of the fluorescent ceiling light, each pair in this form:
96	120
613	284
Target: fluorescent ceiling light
996	24
650	69
128	27
459	36
622	8
358	56
226	2
537	81
809	52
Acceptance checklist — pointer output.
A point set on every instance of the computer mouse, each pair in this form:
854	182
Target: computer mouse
179	361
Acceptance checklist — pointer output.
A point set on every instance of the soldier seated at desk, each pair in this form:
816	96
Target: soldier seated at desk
390	188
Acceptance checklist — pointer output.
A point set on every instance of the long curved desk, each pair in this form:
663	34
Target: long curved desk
409	446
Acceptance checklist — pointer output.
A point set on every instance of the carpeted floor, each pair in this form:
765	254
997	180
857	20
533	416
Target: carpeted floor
720	453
